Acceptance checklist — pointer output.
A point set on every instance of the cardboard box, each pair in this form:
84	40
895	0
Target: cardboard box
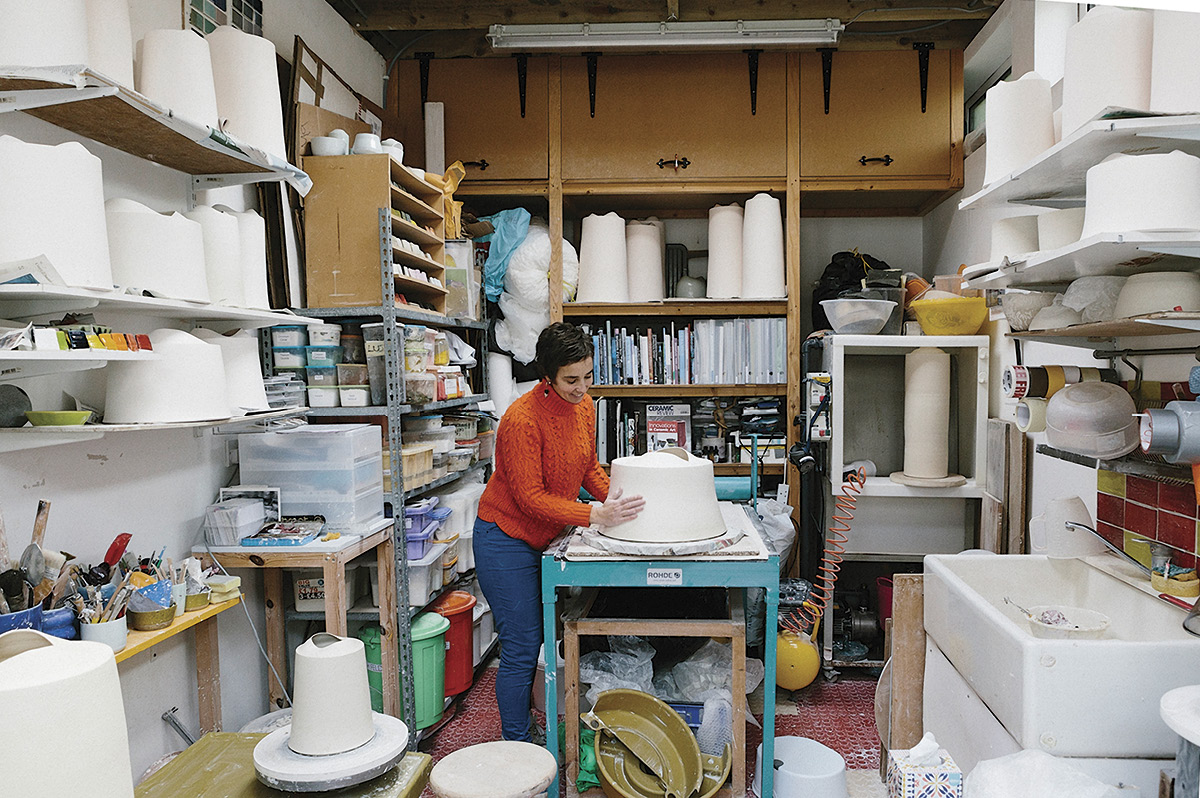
908	780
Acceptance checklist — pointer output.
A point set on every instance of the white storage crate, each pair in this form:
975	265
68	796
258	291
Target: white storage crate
308	587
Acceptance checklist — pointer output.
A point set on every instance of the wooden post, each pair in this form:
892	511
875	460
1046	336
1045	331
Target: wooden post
276	635
208	675
908	660
385	560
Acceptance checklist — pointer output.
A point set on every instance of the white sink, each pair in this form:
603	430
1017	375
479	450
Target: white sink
1081	698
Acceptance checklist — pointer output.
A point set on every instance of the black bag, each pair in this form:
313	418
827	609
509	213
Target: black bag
845	272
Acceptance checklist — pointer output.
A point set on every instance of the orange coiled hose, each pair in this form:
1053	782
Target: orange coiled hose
835	546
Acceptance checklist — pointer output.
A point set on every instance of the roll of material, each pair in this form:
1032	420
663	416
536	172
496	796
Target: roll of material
1059	228
174	69
1031	415
222	255
243	374
185	382
1020	124
603	269
1174	79
644	261
725	227
252	248
45	33
37	184
1143	192
1042	382
762	249
155	252
500	381
927	413
246	82
46	681
110	42
332	712
1108	63
1014	238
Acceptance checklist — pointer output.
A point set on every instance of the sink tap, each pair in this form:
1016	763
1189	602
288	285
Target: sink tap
1115	549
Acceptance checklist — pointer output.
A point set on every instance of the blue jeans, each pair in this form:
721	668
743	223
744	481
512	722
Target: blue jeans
509	572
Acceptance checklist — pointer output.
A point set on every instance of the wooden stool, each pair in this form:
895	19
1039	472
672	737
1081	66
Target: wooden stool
494	770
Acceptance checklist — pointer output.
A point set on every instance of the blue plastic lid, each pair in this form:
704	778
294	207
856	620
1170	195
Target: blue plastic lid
440	513
423	534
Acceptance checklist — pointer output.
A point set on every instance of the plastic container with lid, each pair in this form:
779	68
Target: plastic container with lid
353	348
441	465
289	335
324	376
441	349
419	540
429	657
1095	419
325	334
465	427
487	444
323	396
420	387
354	395
449	572
457	607
442	439
473	447
451	555
422	424
430	346
438	516
322	355
460	459
352	374
290	357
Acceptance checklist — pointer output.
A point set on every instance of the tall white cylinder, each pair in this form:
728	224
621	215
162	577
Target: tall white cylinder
252	237
332	711
110	42
927	413
762	248
1014	237
1174	79
246	82
1020	124
1058	228
725	224
500	381
603	269
1108	62
1160	191
43	33
644	253
243	372
222	255
155	252
174	69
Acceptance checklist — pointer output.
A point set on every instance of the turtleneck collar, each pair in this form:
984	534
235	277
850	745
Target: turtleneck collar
548	399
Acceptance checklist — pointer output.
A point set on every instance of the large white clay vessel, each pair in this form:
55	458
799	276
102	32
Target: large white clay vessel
680	494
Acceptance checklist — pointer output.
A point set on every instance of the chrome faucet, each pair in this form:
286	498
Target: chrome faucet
1078	527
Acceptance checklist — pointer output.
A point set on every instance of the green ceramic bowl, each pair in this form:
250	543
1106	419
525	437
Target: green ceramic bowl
58	418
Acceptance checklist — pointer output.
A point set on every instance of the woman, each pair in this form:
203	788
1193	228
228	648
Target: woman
545	450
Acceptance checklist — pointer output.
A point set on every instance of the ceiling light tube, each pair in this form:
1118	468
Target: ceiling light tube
761	34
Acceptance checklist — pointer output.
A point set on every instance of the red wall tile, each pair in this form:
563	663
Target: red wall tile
1177	499
1110	509
1142	520
1141	490
1112	534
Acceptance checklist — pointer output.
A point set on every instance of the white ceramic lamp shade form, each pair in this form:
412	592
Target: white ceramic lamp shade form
246	82
1174	79
37	183
156	252
1108	61
725	227
1020	125
222	255
174	69
185	382
644	262
680	494
332	711
1014	238
44	682
762	249
1143	192
244	387
1058	228
43	33
252	235
603	269
110	41
926	413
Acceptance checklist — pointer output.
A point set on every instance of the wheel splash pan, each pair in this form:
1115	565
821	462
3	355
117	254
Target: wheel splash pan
623	776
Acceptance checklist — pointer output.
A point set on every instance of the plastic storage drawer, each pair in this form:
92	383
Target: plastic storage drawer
317	446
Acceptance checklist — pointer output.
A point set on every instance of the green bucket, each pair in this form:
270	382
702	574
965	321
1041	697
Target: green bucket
429	665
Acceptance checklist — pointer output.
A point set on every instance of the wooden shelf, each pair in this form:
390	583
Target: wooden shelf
424	263
16	365
417	235
137	642
410	286
690	308
688	390
412	184
674	198
403	201
1166	323
403	313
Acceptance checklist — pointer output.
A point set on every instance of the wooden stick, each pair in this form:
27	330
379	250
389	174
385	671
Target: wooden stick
39	523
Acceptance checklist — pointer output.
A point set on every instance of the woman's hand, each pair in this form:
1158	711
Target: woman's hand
617	510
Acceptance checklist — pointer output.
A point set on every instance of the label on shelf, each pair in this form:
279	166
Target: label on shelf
664	577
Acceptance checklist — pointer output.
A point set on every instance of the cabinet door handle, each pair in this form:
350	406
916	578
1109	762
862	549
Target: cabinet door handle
674	163
481	163
885	160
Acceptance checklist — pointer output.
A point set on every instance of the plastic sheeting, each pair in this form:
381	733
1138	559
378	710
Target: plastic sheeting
510	228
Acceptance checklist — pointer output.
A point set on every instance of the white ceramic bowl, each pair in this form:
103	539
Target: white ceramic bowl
1021	306
1153	292
327	145
366	143
857	316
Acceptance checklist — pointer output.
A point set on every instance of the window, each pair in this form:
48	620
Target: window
204	16
976	115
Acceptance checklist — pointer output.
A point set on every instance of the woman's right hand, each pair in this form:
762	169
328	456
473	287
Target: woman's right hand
617	509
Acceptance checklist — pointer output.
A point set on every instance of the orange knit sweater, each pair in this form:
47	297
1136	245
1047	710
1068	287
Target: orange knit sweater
545	450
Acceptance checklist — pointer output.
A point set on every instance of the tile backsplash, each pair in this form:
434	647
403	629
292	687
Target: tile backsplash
1129	506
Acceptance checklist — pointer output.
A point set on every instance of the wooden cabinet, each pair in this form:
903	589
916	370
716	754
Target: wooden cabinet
875	134
662	107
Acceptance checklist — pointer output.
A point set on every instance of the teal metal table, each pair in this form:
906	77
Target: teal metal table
679	572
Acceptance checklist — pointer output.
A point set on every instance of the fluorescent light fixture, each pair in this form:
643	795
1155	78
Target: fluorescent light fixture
1162	5
762	34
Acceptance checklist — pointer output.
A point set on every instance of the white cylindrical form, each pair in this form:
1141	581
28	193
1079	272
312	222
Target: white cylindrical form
184	382
680	494
45	33
725	225
926	413
500	381
1020	124
174	69
246	81
222	255
1059	228
762	249
1143	192
252	237
1108	63
1174	79
332	710
52	204
155	252
603	269
644	261
110	42
243	372
44	682
1014	237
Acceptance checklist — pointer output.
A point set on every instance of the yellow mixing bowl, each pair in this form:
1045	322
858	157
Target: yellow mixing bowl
960	315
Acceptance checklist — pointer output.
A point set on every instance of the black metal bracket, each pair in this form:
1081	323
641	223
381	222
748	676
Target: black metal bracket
592	58
424	58
752	63
522	74
885	160
923	49
827	71
481	163
674	163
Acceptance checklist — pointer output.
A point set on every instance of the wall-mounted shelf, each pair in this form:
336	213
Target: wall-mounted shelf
687	308
446	480
681	198
428	407
1172	322
1057	177
1122	465
417	288
422	262
84	102
16	365
404	313
653	391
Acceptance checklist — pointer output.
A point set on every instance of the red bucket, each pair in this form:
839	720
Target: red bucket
456	607
884	585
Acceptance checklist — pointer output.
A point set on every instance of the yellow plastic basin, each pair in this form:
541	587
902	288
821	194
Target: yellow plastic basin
960	315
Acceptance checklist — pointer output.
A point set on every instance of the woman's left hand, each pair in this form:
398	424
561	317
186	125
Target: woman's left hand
617	509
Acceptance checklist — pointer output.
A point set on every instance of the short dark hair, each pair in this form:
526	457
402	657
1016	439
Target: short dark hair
561	344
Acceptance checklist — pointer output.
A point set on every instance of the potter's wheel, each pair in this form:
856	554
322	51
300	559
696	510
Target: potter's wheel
683	548
280	767
951	481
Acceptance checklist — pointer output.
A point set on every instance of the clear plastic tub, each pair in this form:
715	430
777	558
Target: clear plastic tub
322	376
352	373
441	466
323	396
289	336
487	444
288	357
322	355
451	553
425	576
441	349
449	572
420	387
465	427
325	334
460	459
414	424
442	439
354	395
